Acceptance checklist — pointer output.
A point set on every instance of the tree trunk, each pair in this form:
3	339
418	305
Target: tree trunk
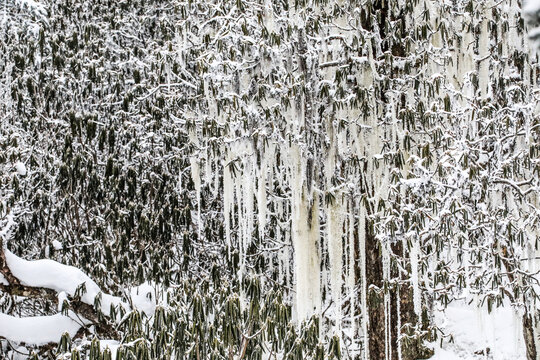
377	346
374	274
528	335
378	332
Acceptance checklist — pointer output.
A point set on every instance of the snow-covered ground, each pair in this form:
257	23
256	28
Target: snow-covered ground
475	331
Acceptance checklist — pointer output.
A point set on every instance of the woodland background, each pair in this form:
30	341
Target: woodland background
284	179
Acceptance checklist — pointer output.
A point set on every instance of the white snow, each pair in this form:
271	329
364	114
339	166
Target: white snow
10	222
65	280
34	5
417	295
62	296
21	353
531	7
531	12
143	298
53	275
20	168
37	330
474	330
57	245
112	345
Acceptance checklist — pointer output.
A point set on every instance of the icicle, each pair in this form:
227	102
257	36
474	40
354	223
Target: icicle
215	188
282	259
387	329
287	262
387	312
228	197
363	277
196	177
467	64
283	255
241	224
517	333
306	257
248	193
467	288
480	316
398	325
261	196
313	238
484	50
334	232
208	173
335	257
351	270
417	299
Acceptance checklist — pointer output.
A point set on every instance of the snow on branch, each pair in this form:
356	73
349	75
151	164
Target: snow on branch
52	275
50	280
37	330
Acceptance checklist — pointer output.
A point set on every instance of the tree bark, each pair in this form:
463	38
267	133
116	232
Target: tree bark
374	274
528	335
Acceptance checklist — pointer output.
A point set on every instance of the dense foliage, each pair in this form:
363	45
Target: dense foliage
268	163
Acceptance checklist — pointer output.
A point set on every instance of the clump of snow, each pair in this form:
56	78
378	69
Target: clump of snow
20	168
62	296
143	298
531	12
417	295
10	222
59	277
57	245
20	353
65	280
33	5
37	330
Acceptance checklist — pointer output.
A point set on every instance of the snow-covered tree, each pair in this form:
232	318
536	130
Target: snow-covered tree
295	179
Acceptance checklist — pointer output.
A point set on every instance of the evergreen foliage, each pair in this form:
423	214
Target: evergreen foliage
248	158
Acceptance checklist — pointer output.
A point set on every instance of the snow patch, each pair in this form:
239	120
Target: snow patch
531	7
474	330
20	168
37	330
57	245
143	298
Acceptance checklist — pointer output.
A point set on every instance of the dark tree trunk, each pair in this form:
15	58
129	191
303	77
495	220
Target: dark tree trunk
377	346
374	276
528	335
